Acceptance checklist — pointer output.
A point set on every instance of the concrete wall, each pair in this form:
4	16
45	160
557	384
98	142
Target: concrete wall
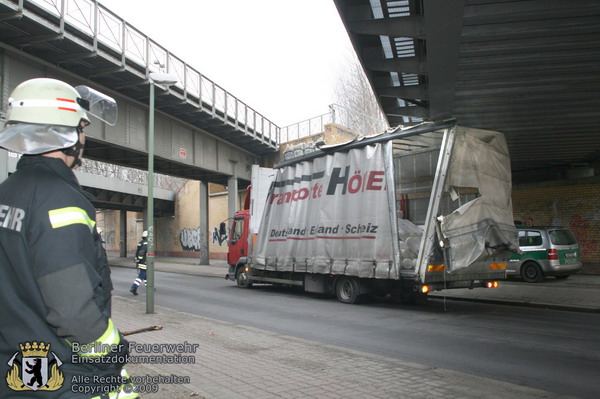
110	223
183	236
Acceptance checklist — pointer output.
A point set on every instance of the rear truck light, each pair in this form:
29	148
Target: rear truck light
491	284
552	254
425	289
498	266
436	268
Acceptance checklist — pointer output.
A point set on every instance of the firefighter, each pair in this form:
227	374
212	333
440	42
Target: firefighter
55	286
140	260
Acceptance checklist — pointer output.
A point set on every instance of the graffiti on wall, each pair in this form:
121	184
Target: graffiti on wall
297	150
191	240
218	238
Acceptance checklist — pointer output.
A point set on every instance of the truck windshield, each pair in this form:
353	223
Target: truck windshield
562	237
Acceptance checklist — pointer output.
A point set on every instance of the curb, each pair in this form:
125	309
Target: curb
191	273
508	302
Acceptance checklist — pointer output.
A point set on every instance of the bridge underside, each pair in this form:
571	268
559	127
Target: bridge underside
106	199
529	69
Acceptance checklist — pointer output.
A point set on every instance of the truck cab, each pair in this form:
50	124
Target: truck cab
245	224
239	249
238	238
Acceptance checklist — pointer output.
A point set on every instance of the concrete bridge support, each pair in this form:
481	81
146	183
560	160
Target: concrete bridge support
123	234
204	258
232	194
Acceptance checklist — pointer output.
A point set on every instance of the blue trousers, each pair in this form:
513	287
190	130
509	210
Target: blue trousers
141	277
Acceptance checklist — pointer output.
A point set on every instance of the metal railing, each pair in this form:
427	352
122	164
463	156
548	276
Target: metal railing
305	128
356	121
134	47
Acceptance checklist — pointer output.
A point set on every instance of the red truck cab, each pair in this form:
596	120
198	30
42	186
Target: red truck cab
238	237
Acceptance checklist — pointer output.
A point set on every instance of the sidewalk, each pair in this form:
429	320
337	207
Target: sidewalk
577	293
233	361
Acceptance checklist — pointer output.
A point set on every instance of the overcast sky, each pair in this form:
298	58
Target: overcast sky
280	57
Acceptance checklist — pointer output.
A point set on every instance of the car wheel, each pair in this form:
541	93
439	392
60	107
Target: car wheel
242	279
564	276
347	290
531	272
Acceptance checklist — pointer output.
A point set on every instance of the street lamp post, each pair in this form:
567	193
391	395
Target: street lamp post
164	79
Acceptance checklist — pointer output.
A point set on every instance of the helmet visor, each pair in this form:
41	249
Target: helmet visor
27	138
98	104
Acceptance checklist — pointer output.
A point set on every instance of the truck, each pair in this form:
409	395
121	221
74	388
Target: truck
399	214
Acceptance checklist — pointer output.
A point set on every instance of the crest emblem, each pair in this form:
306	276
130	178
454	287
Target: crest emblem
34	370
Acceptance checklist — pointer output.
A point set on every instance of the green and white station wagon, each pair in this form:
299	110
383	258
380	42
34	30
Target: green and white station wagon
547	251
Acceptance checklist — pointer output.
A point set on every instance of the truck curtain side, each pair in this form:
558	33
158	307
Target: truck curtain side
401	213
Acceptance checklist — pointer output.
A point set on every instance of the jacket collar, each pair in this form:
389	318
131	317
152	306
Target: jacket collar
55	165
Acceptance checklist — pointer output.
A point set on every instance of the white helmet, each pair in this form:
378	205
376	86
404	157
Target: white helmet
44	115
144	234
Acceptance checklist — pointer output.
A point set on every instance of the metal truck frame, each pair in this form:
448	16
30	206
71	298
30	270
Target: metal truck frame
403	213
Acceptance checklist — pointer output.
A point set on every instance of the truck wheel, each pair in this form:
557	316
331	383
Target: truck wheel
531	272
347	290
242	279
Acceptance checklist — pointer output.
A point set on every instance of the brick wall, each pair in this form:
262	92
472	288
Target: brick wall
574	204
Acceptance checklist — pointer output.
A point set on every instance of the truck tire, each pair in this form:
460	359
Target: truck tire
347	290
531	272
242	279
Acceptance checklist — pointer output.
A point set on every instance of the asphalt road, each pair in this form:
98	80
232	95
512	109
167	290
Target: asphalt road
553	350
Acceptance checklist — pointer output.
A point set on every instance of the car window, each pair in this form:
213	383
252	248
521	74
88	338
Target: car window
530	238
522	238
562	237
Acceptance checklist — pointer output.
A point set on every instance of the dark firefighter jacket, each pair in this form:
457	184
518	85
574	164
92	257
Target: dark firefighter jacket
140	253
55	282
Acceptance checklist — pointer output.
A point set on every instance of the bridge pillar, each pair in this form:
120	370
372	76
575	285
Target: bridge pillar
204	256
123	234
232	194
